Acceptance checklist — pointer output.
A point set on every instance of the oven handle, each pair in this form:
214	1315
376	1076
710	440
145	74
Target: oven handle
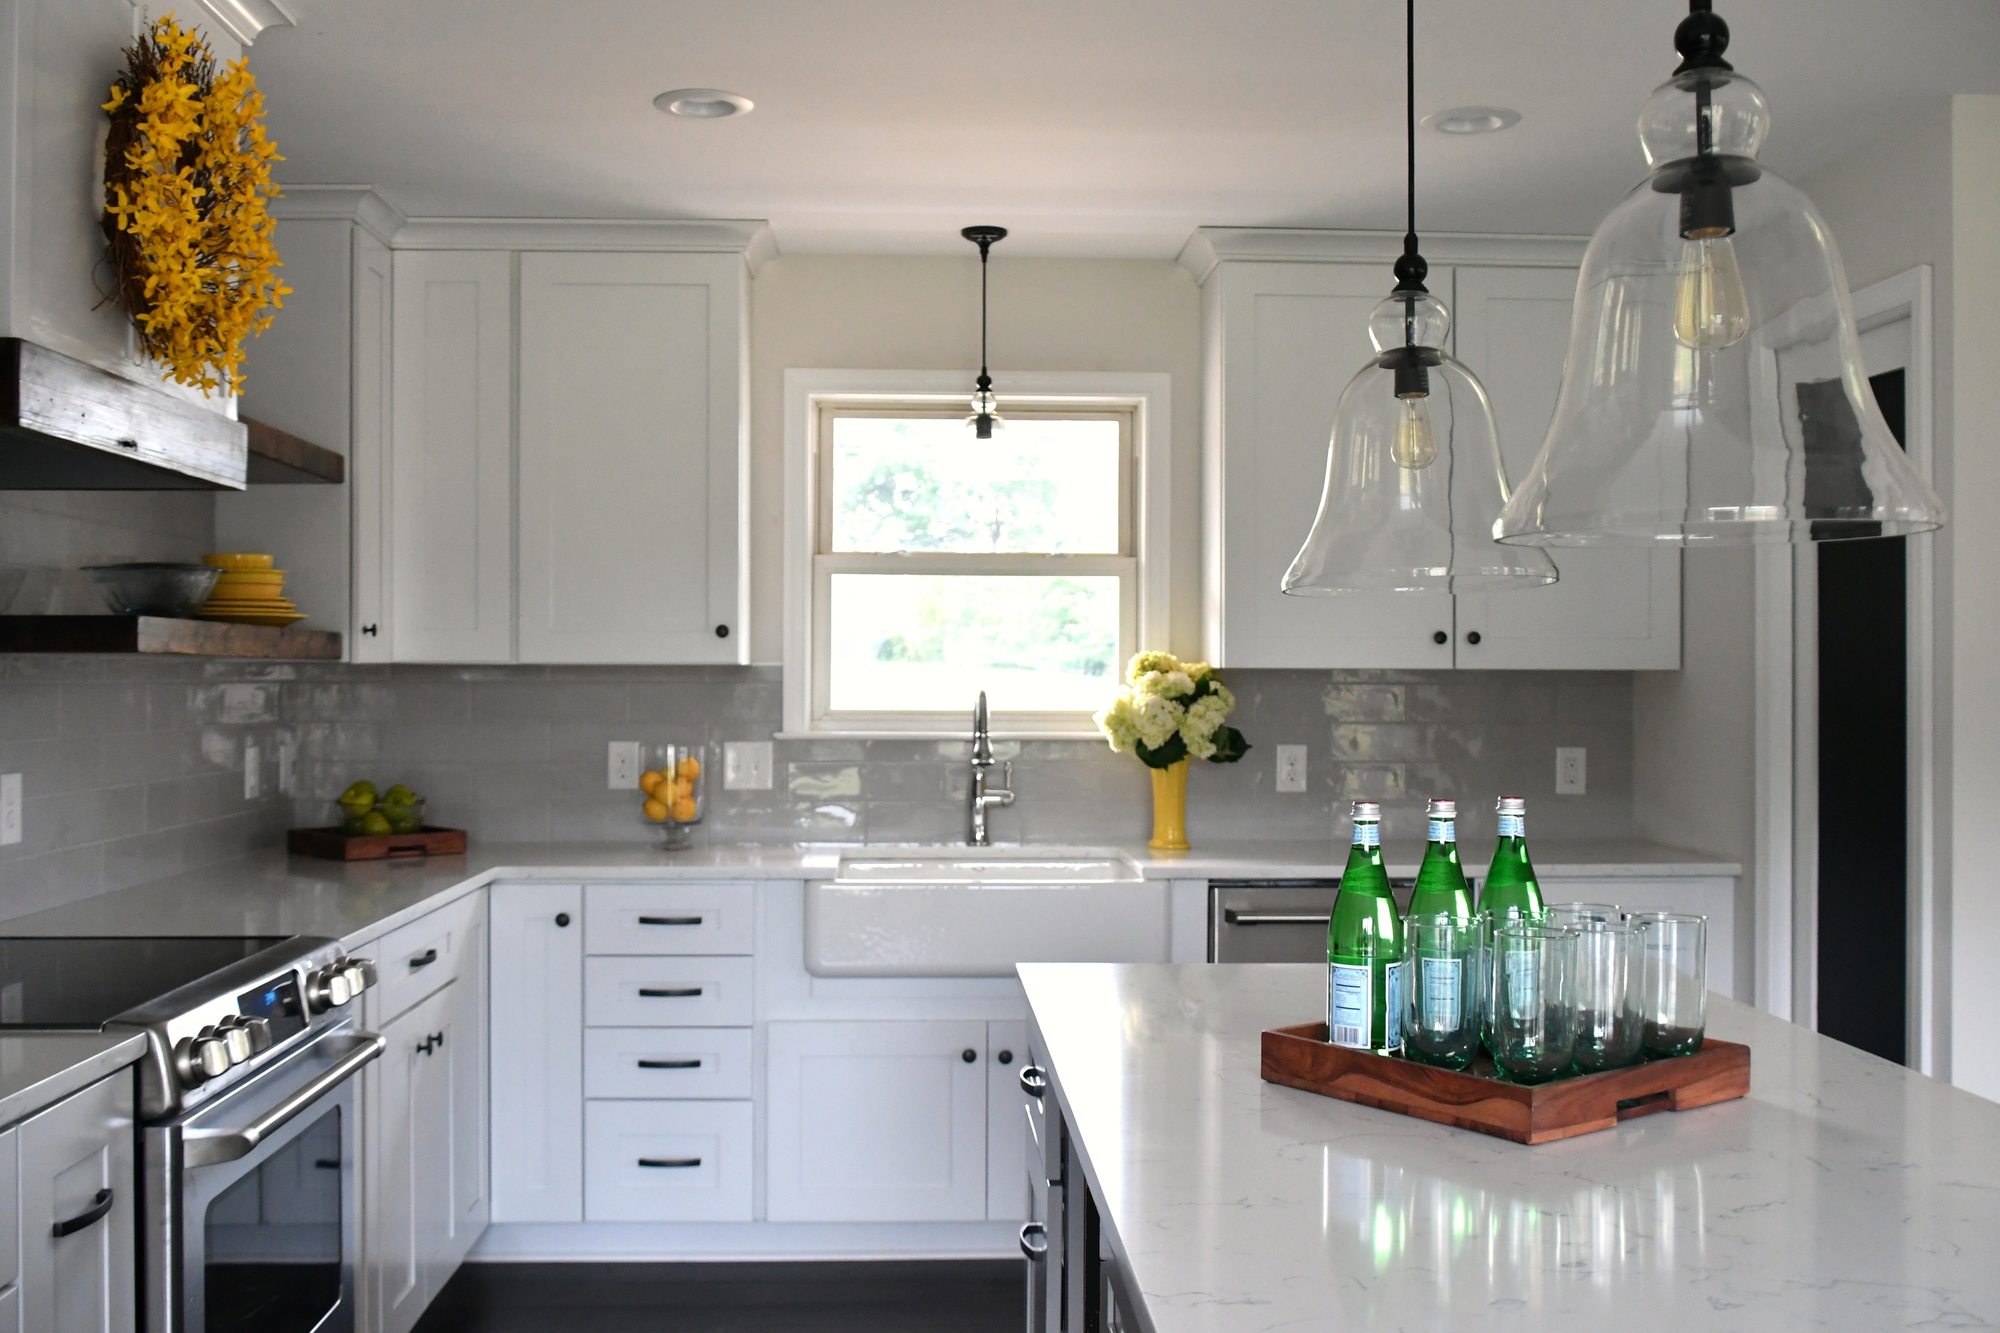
209	1147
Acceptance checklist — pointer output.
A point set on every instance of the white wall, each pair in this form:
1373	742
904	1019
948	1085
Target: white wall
844	312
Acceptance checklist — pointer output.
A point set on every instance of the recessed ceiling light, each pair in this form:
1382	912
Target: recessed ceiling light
703	103
1472	119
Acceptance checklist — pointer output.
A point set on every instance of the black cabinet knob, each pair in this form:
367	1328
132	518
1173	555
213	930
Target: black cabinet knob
1440	637
1473	637
562	918
1006	1057
968	1055
722	631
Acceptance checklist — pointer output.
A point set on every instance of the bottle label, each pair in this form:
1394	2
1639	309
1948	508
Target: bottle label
1350	1004
1513	826
1367	835
1443	982
1444	830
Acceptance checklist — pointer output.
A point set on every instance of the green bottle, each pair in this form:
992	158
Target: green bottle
1510	888
1440	879
1364	947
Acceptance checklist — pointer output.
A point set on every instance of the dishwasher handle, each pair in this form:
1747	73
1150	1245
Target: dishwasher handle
1236	916
210	1147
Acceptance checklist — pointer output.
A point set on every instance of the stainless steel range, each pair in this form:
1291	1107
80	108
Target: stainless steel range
248	1114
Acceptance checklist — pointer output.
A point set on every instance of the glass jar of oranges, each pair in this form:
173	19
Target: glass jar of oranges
673	789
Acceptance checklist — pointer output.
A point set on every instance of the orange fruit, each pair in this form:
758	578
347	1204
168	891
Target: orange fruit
684	809
650	780
671	790
656	811
689	769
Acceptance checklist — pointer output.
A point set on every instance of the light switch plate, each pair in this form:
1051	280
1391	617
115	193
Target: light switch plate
1569	770
253	772
10	809
624	766
1291	768
746	765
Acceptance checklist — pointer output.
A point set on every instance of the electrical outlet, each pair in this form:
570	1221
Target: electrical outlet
253	773
1569	770
746	765
1291	768
10	809
624	775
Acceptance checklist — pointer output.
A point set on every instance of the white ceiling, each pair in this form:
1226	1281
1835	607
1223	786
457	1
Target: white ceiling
1089	127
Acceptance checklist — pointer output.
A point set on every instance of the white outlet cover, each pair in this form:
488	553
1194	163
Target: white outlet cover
623	772
746	765
1291	768
10	809
1571	773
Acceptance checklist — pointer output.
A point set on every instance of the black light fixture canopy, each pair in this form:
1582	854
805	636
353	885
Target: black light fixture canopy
985	415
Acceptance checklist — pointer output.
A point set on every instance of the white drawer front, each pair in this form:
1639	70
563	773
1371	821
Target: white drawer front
666	992
666	1162
417	960
708	1063
673	918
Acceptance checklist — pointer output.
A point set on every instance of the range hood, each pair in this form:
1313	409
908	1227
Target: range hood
68	426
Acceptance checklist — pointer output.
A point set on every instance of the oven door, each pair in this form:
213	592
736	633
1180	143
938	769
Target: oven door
252	1201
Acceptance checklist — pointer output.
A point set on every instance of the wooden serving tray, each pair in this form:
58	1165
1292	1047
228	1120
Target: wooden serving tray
1301	1057
335	845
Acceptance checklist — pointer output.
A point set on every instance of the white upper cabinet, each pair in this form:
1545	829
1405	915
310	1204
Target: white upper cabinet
631	457
1285	328
1611	607
451	486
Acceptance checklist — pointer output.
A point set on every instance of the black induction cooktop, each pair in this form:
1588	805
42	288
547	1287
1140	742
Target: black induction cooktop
83	982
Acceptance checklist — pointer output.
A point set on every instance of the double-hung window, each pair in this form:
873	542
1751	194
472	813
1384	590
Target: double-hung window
942	565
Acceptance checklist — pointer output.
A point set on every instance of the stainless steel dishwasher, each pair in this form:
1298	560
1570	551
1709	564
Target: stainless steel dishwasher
1275	920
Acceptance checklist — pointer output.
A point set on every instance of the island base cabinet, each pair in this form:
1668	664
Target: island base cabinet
74	1158
667	1162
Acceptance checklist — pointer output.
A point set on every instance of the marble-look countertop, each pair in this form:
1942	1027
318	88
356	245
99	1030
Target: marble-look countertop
271	893
1845	1193
39	1069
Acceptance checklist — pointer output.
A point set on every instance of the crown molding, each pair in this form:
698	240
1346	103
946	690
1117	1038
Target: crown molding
1210	246
747	237
358	204
246	20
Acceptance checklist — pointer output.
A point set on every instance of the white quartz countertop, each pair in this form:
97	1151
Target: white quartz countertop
39	1069
1845	1193
271	893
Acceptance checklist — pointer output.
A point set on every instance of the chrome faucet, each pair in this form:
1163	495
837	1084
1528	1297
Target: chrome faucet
985	796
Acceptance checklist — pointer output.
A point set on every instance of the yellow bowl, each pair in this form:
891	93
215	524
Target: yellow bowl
238	560
249	580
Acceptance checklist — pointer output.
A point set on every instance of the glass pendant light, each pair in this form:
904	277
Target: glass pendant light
1414	481
985	408
1714	391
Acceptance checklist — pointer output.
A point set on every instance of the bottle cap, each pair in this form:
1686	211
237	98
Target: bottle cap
1511	805
1367	810
1440	809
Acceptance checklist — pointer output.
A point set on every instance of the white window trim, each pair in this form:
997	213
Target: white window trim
1146	393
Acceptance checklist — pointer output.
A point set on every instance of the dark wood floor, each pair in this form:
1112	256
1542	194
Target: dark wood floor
972	1296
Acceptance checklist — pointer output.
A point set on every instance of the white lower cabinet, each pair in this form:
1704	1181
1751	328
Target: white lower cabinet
654	1161
78	1221
537	1046
1006	1122
877	1122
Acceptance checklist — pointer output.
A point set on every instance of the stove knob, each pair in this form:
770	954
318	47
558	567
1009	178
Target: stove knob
328	988
236	1039
260	1034
361	973
201	1058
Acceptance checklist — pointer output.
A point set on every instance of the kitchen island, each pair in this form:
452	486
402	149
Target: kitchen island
1843	1193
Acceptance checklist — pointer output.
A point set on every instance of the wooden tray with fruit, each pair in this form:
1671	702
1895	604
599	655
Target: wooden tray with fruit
375	825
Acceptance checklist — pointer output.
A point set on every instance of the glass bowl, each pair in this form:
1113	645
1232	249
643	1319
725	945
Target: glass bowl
674	790
154	588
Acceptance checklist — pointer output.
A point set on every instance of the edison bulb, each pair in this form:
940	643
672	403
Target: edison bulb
1415	444
1711	308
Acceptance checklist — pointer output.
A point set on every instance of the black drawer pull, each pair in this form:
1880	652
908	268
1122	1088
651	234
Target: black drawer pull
90	1216
1034	1081
424	959
670	920
670	1064
669	992
670	1162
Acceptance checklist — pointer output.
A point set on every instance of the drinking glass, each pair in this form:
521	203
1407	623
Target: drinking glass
1533	1023
1604	990
1444	986
1577	914
1673	985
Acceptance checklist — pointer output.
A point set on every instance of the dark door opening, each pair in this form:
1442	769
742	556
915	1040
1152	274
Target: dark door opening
1863	780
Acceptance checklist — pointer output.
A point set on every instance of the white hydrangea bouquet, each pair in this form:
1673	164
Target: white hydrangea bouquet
1169	711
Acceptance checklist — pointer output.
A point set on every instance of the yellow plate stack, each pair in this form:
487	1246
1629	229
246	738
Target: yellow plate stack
249	592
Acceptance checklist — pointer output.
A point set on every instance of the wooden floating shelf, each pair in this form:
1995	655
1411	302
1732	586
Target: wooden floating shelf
161	634
280	458
1299	1057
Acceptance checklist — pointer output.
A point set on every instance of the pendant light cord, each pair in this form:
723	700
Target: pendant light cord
1410	121
985	379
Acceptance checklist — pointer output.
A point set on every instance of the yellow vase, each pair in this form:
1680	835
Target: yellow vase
1170	808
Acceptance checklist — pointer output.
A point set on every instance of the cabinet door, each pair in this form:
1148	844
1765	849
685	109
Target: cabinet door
1612	607
465	1057
370	636
632	458
876	1122
74	1156
408	1164
451	557
1289	338
536	1047
1006	1123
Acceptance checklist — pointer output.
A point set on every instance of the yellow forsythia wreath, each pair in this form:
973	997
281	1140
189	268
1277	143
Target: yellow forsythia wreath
187	190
